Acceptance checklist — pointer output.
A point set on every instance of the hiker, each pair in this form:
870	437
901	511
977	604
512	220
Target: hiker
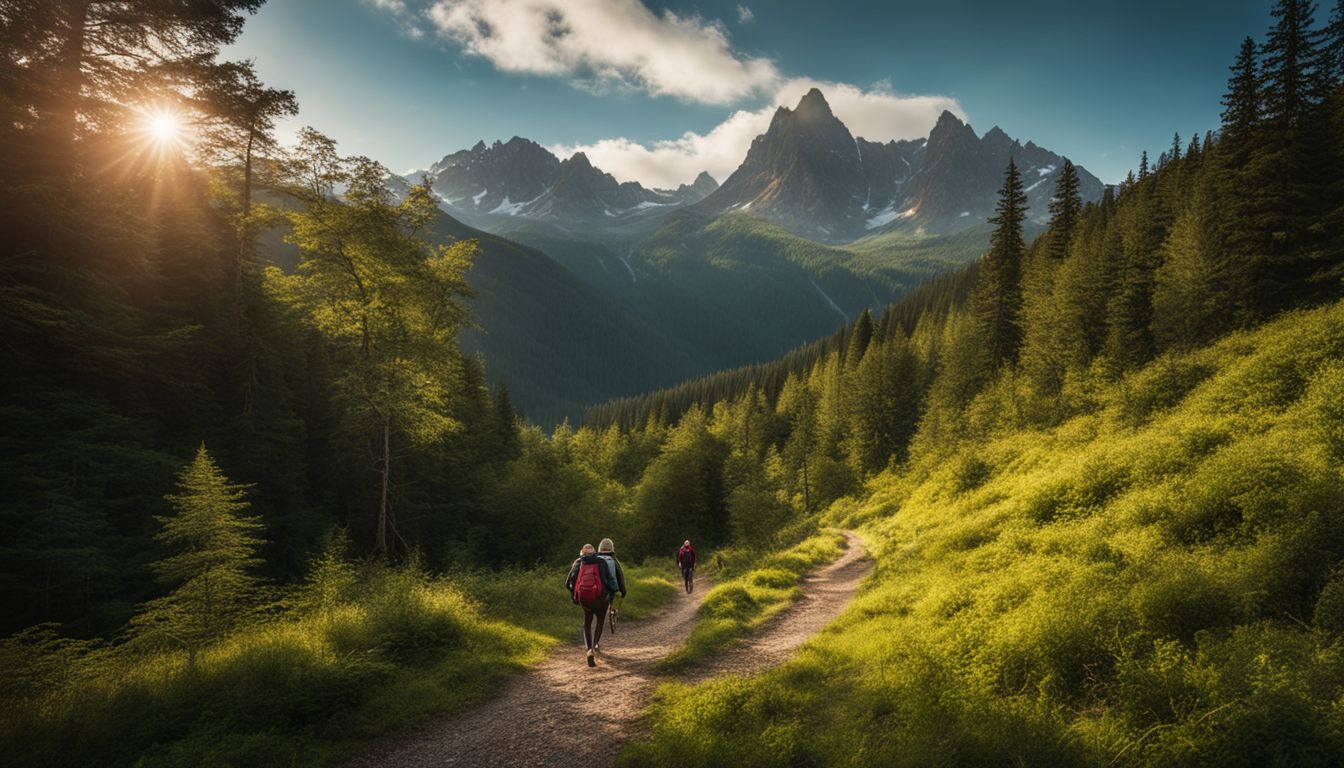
686	562
607	551
592	584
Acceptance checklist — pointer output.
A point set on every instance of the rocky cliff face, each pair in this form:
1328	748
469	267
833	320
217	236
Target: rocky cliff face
522	179
809	174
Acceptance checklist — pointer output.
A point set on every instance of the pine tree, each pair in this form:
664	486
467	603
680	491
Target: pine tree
95	58
1289	59
239	131
860	336
1129	339
1143	165
1197	286
884	406
1286	167
1065	207
1328	88
214	554
997	300
1331	61
506	422
1242	107
1239	178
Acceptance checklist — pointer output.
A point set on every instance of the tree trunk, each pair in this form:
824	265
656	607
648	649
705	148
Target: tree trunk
807	491
383	512
245	225
63	111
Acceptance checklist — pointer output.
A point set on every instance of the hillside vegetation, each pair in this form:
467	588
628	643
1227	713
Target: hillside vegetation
358	650
1154	582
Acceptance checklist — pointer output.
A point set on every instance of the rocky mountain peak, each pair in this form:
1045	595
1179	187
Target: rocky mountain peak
813	106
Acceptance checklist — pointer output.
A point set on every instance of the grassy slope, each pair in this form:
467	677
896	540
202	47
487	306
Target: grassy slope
1148	584
364	652
746	599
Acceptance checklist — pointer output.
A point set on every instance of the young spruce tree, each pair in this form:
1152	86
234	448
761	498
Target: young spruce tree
214	553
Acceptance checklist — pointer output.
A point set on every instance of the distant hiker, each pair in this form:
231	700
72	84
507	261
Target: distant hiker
592	584
686	562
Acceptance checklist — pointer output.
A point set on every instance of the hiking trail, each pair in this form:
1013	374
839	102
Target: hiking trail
563	713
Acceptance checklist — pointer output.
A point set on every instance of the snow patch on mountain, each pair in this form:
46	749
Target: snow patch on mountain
886	216
507	208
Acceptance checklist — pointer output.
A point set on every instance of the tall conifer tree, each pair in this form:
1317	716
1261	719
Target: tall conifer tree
997	300
1065	207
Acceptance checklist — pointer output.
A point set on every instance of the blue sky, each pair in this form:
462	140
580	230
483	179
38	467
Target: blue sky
659	91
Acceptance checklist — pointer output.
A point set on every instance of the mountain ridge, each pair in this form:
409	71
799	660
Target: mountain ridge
807	171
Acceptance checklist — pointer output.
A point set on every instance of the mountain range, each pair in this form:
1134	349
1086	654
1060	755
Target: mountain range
807	172
520	179
589	288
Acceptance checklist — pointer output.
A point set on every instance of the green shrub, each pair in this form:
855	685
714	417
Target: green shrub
1329	612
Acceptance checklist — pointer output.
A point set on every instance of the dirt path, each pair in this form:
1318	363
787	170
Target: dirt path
825	594
532	721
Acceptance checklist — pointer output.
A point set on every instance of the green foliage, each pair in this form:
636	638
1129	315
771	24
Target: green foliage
362	648
682	494
387	302
997	301
211	566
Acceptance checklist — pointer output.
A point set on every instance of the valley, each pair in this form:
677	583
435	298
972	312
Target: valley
815	227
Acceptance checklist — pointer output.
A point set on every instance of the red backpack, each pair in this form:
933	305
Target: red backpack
588	587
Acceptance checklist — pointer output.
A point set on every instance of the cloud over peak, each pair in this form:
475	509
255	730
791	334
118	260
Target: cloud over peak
602	45
620	42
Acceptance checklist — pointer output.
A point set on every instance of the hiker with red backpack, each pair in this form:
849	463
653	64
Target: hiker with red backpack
592	583
686	562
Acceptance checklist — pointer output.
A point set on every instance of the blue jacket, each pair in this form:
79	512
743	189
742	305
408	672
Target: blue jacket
617	574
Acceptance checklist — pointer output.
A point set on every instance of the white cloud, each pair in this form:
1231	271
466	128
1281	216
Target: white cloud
744	15
620	42
405	18
876	114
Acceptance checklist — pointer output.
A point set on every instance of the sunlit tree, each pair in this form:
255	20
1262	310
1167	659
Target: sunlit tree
214	548
389	303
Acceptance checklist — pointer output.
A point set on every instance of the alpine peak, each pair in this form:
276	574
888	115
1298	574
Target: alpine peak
813	105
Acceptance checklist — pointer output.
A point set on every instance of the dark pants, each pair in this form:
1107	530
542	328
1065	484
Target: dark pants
599	611
686	571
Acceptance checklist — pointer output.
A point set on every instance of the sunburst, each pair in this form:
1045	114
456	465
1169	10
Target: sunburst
162	129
